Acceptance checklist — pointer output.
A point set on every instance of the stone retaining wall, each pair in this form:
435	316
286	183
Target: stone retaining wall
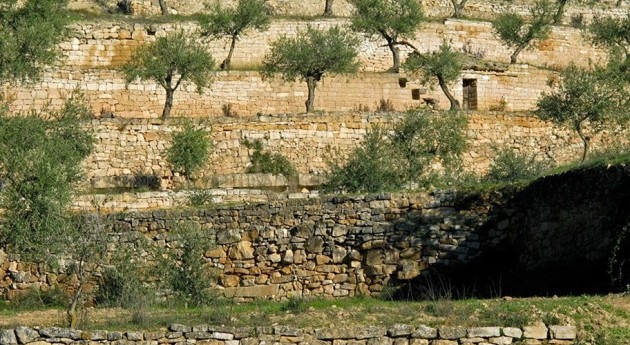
110	44
400	334
329	247
128	148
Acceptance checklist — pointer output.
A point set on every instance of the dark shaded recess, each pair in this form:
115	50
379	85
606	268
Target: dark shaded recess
568	234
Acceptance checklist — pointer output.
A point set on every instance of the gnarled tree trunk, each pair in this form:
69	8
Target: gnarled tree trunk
311	83
458	8
514	55
225	65
328	11
586	141
454	102
163	8
395	55
168	104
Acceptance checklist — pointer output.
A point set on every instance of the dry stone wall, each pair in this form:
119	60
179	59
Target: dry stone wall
128	148
111	44
399	334
241	93
328	247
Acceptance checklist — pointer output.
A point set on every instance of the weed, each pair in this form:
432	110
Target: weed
295	305
200	198
385	106
35	298
268	163
227	111
511	166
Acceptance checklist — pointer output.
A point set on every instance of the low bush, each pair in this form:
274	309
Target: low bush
418	147
264	162
189	150
511	166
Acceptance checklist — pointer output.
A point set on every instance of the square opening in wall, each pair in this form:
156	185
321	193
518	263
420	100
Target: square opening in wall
402	82
415	94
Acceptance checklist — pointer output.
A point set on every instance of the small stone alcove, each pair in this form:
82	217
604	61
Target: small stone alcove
469	94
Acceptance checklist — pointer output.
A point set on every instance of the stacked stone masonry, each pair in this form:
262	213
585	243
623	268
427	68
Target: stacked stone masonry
327	247
130	148
435	8
97	49
399	334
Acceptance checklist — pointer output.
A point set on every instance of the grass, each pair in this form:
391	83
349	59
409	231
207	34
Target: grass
608	315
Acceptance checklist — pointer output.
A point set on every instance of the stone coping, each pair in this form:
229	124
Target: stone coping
368	335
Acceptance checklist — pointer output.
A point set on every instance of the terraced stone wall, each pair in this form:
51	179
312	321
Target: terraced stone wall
130	148
327	247
400	334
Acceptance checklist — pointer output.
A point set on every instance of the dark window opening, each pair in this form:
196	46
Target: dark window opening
470	94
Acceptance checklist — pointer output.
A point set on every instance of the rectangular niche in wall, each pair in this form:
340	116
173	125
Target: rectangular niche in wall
470	94
415	94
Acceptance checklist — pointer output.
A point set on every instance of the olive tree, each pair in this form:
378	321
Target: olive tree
611	33
40	156
444	65
585	101
328	9
388	159
516	33
310	55
458	8
30	32
392	20
232	23
171	61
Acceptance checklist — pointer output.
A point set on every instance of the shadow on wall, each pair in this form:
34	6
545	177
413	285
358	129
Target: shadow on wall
567	234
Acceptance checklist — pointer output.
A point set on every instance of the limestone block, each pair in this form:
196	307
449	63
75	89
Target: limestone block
452	332
563	332
26	335
56	332
512	332
259	291
242	251
425	332
175	327
484	332
134	336
538	331
418	341
7	337
380	341
400	330
501	340
443	342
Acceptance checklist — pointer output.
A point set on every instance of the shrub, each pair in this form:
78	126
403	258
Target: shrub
267	162
511	166
189	151
388	160
183	268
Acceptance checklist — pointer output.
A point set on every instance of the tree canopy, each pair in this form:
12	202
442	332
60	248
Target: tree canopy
310	55
585	101
171	61
516	33
30	33
233	22
444	65
392	20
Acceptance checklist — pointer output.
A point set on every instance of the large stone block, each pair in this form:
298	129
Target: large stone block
7	337
26	334
452	332
484	332
259	291
563	332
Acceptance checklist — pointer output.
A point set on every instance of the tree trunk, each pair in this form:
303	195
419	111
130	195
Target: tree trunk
225	65
458	8
444	87
168	104
395	55
518	50
586	142
163	8
328	11
311	82
557	18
